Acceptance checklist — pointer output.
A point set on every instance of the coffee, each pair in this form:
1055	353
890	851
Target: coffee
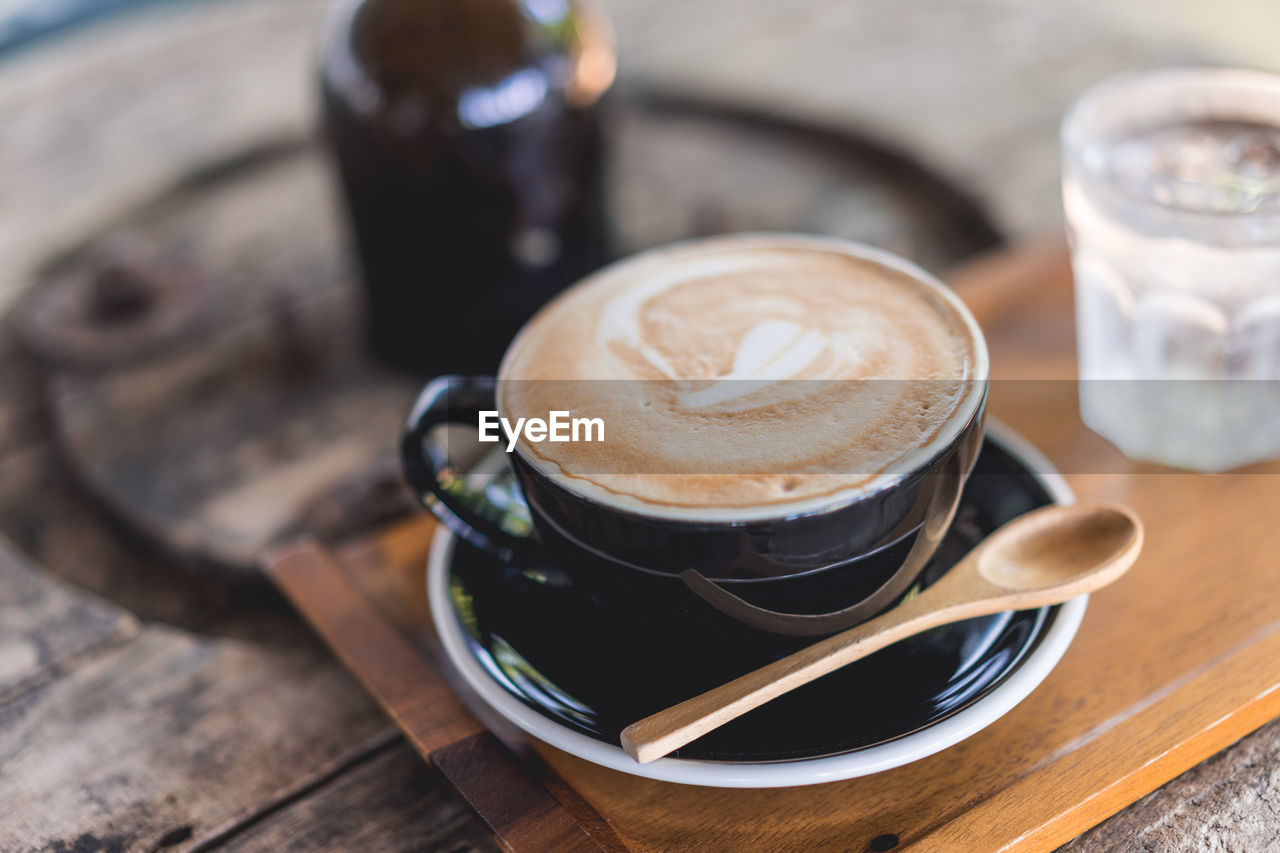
746	376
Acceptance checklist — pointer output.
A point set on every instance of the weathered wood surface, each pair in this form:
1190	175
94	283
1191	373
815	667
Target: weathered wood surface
102	120
215	445
48	626
388	802
107	117
173	733
93	704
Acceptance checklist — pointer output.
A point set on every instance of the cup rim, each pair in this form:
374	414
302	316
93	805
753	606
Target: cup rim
912	462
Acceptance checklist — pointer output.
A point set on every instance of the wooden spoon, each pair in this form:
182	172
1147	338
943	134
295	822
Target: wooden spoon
1045	557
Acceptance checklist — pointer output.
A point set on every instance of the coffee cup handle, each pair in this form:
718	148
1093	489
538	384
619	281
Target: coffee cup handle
477	519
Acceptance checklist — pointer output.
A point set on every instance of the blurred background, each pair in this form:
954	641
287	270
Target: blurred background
974	89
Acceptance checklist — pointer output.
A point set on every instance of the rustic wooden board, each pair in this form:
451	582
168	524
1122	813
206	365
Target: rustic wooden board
1174	662
90	714
166	736
45	626
390	802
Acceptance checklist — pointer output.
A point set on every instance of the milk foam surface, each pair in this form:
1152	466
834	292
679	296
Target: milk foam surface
744	373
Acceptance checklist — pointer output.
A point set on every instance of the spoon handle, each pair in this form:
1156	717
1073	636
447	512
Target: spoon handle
672	728
1043	557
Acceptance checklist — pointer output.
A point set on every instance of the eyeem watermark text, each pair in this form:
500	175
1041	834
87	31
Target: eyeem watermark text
559	426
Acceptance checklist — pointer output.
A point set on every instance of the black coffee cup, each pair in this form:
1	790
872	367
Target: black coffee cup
802	573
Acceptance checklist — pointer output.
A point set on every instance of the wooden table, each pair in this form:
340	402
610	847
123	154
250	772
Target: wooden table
144	708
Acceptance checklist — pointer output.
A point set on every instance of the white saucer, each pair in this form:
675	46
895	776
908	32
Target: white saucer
1039	662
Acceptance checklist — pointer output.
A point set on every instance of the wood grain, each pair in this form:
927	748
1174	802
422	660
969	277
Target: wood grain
415	696
391	802
174	733
224	441
522	814
45	626
390	569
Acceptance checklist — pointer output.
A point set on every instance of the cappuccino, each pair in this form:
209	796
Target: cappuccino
746	377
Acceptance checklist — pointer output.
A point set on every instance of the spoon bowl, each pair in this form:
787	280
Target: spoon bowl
1045	557
1059	544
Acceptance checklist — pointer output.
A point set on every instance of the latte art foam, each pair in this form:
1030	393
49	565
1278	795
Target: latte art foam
746	372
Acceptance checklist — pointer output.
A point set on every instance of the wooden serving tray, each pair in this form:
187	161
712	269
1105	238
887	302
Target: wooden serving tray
1177	660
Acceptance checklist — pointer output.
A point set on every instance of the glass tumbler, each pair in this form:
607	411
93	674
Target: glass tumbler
1171	183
